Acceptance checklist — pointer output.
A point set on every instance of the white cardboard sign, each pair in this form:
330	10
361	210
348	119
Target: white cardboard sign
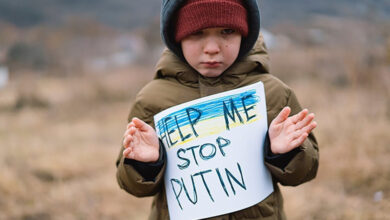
215	161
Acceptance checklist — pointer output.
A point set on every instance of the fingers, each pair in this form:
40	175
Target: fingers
310	127
128	136
127	141
129	153
299	141
138	139
131	124
299	136
305	121
140	124
298	117
305	127
283	115
126	152
129	133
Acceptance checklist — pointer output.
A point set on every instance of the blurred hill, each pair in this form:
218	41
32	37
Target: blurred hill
131	14
120	13
73	36
300	10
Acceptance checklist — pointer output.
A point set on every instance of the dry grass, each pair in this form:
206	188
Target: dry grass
352	105
58	161
354	150
59	138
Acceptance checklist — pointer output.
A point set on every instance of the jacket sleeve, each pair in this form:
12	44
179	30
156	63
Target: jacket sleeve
128	178
148	171
303	166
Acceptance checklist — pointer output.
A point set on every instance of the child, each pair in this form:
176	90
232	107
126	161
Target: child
212	48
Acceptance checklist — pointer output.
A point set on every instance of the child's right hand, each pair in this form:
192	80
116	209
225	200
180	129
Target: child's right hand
140	142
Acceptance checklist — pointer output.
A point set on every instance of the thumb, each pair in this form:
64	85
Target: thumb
283	115
140	124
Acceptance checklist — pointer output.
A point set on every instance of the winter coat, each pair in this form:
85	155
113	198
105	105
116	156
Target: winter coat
175	83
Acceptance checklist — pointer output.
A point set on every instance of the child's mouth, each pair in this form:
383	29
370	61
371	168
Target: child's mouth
212	64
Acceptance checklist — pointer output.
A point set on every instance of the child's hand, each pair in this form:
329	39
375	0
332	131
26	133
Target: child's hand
140	142
287	133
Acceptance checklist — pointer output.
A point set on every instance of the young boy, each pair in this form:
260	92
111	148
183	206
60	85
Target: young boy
212	48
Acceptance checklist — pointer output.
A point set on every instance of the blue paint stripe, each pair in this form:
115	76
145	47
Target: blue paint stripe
210	109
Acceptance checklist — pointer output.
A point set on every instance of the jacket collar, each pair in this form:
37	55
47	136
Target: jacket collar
172	66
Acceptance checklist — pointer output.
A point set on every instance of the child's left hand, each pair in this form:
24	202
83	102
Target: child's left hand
287	133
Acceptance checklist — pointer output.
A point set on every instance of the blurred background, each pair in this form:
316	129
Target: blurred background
70	69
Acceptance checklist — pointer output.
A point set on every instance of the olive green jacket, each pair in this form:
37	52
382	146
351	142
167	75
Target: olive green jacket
175	83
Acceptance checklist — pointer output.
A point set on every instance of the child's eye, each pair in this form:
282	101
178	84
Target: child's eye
228	31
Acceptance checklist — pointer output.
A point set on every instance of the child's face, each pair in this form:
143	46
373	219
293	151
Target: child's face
211	51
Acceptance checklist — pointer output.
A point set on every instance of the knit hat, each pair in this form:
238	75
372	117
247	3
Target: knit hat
168	24
196	15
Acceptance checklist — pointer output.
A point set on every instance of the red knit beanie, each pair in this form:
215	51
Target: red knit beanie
196	15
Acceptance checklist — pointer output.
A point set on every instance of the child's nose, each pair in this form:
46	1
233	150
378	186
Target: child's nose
211	46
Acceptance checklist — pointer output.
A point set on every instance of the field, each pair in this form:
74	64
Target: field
60	135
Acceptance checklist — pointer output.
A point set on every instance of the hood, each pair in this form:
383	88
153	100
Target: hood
256	62
167	26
